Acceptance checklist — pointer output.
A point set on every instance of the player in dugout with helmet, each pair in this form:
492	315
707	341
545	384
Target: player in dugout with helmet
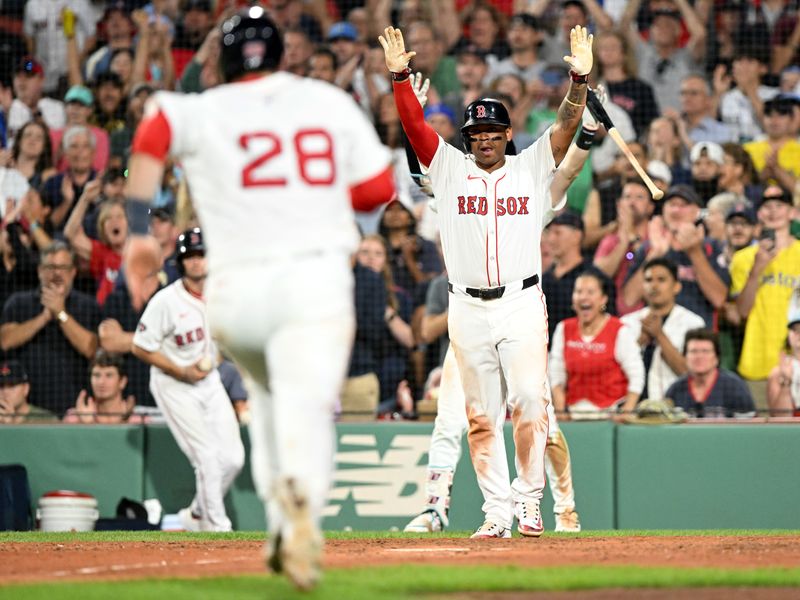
492	209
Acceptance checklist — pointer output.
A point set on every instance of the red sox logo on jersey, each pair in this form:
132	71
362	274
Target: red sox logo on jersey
480	111
190	337
478	205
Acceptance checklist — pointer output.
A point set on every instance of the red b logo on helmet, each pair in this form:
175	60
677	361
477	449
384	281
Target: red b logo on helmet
480	111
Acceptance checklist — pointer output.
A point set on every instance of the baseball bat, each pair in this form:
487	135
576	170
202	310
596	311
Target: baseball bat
599	113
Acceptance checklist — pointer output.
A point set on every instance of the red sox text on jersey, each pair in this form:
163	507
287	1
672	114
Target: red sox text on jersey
190	337
479	205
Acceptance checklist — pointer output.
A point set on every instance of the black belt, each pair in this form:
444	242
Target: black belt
495	292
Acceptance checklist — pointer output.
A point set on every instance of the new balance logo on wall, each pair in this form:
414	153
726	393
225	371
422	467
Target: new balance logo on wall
379	484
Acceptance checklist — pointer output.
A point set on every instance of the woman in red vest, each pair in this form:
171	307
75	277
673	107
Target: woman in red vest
595	363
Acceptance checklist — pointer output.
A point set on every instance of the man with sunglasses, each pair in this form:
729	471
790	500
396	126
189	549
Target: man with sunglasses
492	208
777	157
51	330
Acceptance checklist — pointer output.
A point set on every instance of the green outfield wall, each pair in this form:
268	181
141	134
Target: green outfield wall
651	477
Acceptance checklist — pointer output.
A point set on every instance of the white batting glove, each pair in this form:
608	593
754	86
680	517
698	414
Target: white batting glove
420	88
394	50
580	43
588	118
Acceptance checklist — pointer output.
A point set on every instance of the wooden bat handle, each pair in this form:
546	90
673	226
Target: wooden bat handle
654	191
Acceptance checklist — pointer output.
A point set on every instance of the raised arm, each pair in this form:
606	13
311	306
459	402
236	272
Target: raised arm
572	164
423	139
73	230
600	17
571	110
627	23
697	31
73	56
446	21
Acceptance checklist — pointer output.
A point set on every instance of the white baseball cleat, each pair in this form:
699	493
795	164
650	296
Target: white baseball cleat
297	550
568	522
427	521
491	530
188	520
529	519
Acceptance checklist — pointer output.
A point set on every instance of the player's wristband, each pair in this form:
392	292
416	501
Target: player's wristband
138	211
402	75
578	78
585	139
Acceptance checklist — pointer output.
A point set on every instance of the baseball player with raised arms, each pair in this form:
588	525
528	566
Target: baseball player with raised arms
173	337
451	420
276	163
492	210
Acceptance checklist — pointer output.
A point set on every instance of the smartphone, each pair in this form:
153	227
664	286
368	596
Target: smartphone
767	234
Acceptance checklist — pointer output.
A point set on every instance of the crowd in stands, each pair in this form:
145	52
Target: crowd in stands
694	298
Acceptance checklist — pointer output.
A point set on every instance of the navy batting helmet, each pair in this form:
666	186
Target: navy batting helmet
250	42
189	243
484	111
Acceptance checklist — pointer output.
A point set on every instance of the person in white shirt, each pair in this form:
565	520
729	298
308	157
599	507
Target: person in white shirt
29	78
660	327
44	25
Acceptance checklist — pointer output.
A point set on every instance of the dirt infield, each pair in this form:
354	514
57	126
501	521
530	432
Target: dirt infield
89	561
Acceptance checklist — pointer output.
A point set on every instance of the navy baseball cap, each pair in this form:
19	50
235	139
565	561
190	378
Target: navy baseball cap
472	50
12	373
29	66
526	20
673	14
163	213
776	192
744	210
684	191
568	218
780	105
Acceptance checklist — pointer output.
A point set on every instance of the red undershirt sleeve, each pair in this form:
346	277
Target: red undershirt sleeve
424	140
370	194
153	136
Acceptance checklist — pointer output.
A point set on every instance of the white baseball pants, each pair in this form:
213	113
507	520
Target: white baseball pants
290	325
203	422
449	428
502	345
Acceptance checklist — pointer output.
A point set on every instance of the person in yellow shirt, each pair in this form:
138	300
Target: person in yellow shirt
763	277
777	158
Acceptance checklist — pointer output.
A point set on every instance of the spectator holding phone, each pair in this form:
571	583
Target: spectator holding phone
762	280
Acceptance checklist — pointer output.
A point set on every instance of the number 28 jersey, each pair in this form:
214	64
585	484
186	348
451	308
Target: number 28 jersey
270	163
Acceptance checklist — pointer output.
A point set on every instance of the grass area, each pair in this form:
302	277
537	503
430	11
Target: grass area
412	581
177	536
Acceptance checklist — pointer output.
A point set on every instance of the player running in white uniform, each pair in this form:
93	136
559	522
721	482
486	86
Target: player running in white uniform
492	210
276	164
173	337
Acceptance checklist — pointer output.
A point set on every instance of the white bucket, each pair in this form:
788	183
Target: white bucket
64	510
